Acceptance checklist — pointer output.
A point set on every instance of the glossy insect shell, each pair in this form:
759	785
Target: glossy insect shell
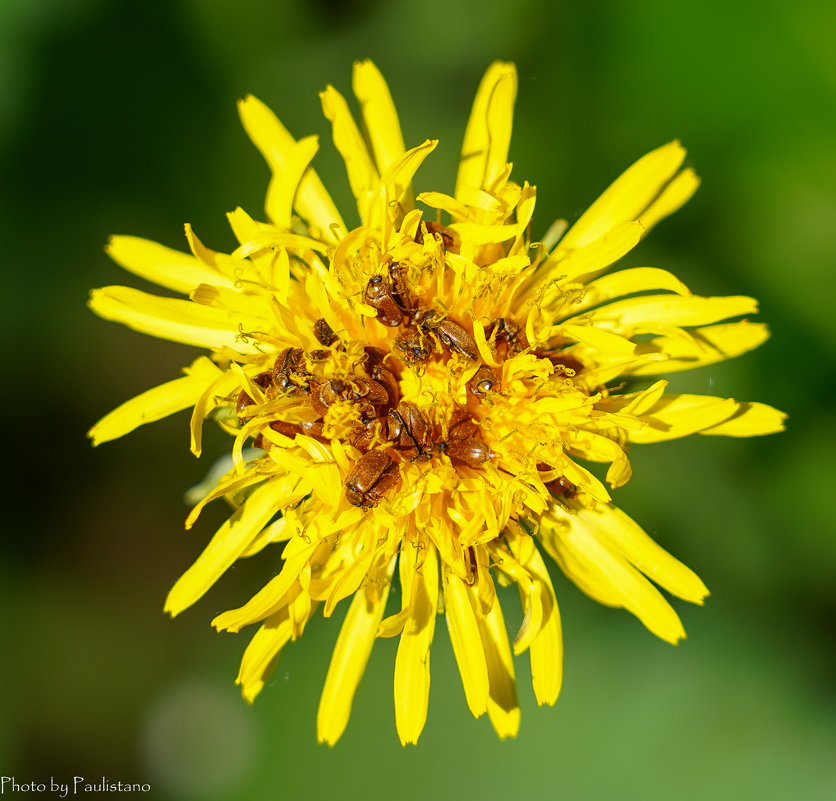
472	452
372	476
436	228
562	487
409	430
483	382
379	296
324	333
412	347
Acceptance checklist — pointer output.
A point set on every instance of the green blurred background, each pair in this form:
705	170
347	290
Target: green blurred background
119	117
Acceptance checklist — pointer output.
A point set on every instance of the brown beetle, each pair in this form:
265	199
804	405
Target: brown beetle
324	333
561	487
380	295
386	379
563	359
410	431
262	380
504	330
483	382
373	475
434	228
472	452
412	346
450	333
400	288
290	372
463	444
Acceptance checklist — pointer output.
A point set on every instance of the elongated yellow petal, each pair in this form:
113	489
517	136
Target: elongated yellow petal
467	643
231	539
296	554
351	653
172	269
612	577
412	664
286	180
703	346
488	132
546	649
587	260
275	143
152	405
628	282
262	653
348	140
398	178
379	114
674	416
628	197
675	195
503	704
653	312
750	420
642	552
177	320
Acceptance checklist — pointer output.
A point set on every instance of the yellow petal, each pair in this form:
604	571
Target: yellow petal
348	140
600	341
275	143
295	555
675	195
546	650
379	114
628	282
642	552
613	578
231	539
398	178
262	653
172	269
628	197
650	312
587	260
703	346
674	416
286	180
503	704
412	664
155	404
177	320
467	643
750	420
488	132
352	651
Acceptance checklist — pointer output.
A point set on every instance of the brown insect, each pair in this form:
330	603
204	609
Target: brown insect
324	333
434	228
450	333
463	444
262	380
483	382
561	487
504	330
410	431
558	358
373	475
412	346
365	391
390	296
290	372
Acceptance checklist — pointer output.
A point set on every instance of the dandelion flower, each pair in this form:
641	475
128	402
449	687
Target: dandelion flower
419	395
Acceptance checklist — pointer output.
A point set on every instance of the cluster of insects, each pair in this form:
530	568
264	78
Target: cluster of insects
388	430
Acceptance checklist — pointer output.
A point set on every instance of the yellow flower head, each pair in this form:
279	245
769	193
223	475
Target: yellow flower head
419	394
